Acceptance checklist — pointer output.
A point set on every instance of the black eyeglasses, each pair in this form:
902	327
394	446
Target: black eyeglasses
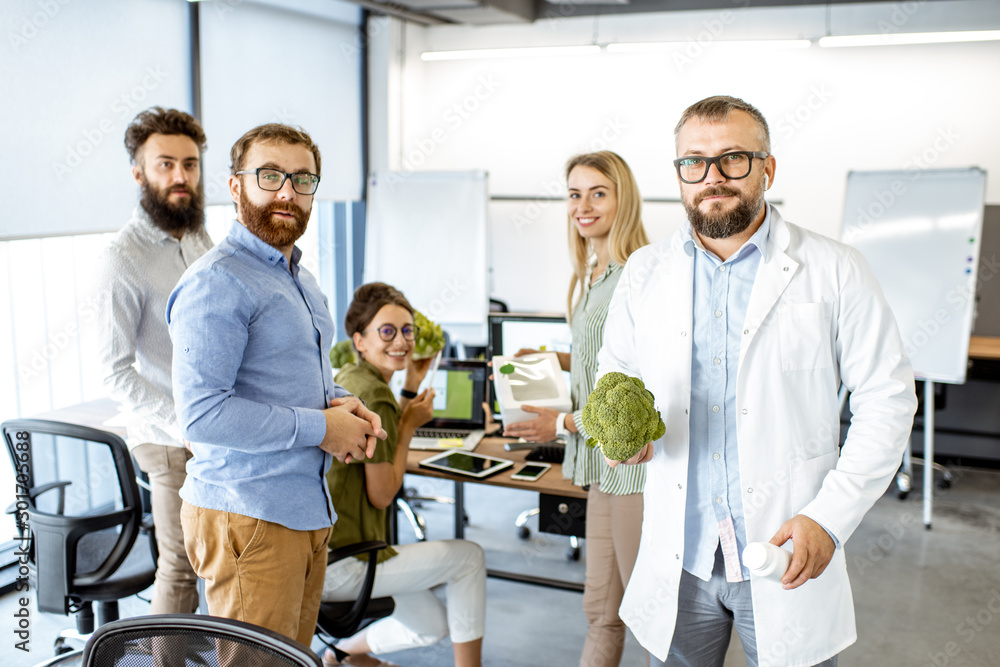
733	165
272	180
387	332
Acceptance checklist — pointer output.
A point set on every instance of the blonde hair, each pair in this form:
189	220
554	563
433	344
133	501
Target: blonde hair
627	233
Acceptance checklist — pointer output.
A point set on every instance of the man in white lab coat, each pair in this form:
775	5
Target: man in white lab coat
744	327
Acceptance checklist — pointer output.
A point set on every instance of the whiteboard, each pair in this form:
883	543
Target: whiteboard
427	235
920	231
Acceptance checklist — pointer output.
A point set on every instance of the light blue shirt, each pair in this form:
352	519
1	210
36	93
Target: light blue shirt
714	508
251	376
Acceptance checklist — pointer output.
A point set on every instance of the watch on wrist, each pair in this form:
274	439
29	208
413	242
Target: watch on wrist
406	393
561	430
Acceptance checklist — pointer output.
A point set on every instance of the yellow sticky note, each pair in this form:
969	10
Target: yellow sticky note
450	442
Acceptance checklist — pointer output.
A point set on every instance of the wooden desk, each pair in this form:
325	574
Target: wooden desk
984	347
551	483
91	413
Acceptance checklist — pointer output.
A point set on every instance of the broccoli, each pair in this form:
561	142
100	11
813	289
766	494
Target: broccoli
621	417
430	338
342	354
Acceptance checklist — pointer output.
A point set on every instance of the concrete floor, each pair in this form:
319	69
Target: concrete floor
923	598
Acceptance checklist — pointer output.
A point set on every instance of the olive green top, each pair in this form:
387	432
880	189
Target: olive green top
357	519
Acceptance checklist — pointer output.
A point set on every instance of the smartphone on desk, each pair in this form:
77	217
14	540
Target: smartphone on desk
530	472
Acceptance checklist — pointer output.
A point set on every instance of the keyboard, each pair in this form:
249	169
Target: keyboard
546	453
440	433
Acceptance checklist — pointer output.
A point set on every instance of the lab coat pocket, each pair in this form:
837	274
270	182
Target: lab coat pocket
807	477
806	342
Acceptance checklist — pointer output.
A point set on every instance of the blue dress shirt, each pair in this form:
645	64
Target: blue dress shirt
714	510
251	376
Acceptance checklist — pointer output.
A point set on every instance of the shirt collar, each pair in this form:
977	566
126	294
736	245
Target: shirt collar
266	253
369	368
758	240
146	227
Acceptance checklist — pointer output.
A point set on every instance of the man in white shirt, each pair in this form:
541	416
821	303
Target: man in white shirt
744	326
165	235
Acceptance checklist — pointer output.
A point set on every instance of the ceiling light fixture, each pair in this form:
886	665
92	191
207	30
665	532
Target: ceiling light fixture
896	39
525	52
660	47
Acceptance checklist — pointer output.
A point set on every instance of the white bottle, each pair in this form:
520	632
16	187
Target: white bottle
764	559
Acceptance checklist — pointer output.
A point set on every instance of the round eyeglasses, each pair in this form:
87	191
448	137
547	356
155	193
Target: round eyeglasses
273	180
733	165
387	332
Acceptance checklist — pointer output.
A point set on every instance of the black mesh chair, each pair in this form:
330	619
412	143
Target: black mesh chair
179	640
78	507
339	620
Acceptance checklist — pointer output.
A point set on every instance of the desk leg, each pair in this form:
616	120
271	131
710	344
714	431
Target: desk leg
459	510
928	452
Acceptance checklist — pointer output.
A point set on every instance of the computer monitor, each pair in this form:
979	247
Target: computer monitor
510	332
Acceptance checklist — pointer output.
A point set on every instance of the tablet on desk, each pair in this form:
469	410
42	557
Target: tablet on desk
468	464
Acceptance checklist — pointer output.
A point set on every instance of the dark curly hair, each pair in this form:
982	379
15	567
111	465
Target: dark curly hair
157	120
368	300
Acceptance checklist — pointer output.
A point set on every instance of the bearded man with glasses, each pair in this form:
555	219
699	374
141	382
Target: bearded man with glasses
744	326
255	395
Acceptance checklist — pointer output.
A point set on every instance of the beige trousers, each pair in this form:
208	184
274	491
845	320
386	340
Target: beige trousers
176	589
614	524
257	571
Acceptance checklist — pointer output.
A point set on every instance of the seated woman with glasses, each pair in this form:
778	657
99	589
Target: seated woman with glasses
380	324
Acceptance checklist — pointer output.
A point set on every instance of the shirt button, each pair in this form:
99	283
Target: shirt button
680	486
717	360
750	490
722	269
715	408
685	410
718	501
715	456
684	333
785	268
677	556
744	410
718	313
746	331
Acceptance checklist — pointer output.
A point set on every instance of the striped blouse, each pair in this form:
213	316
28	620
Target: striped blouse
581	463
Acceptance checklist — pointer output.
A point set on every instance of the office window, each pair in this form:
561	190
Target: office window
74	74
250	76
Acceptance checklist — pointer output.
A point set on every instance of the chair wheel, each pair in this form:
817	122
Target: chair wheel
59	646
523	532
573	553
943	484
902	494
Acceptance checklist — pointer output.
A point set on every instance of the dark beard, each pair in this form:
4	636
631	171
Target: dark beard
172	217
275	234
724	225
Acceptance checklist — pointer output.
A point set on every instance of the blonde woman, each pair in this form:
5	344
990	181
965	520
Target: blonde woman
605	227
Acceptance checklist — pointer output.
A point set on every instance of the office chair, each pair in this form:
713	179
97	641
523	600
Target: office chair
79	505
192	639
339	620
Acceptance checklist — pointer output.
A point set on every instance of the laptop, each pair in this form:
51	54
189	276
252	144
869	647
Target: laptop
459	422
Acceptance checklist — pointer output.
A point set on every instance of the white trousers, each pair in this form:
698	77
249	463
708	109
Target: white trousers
420	619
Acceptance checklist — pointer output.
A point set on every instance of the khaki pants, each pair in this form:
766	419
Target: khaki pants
614	524
257	571
176	589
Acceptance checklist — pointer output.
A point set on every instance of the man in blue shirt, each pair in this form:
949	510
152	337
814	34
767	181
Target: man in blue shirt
254	394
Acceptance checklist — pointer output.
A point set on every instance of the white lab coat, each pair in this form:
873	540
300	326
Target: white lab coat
816	319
